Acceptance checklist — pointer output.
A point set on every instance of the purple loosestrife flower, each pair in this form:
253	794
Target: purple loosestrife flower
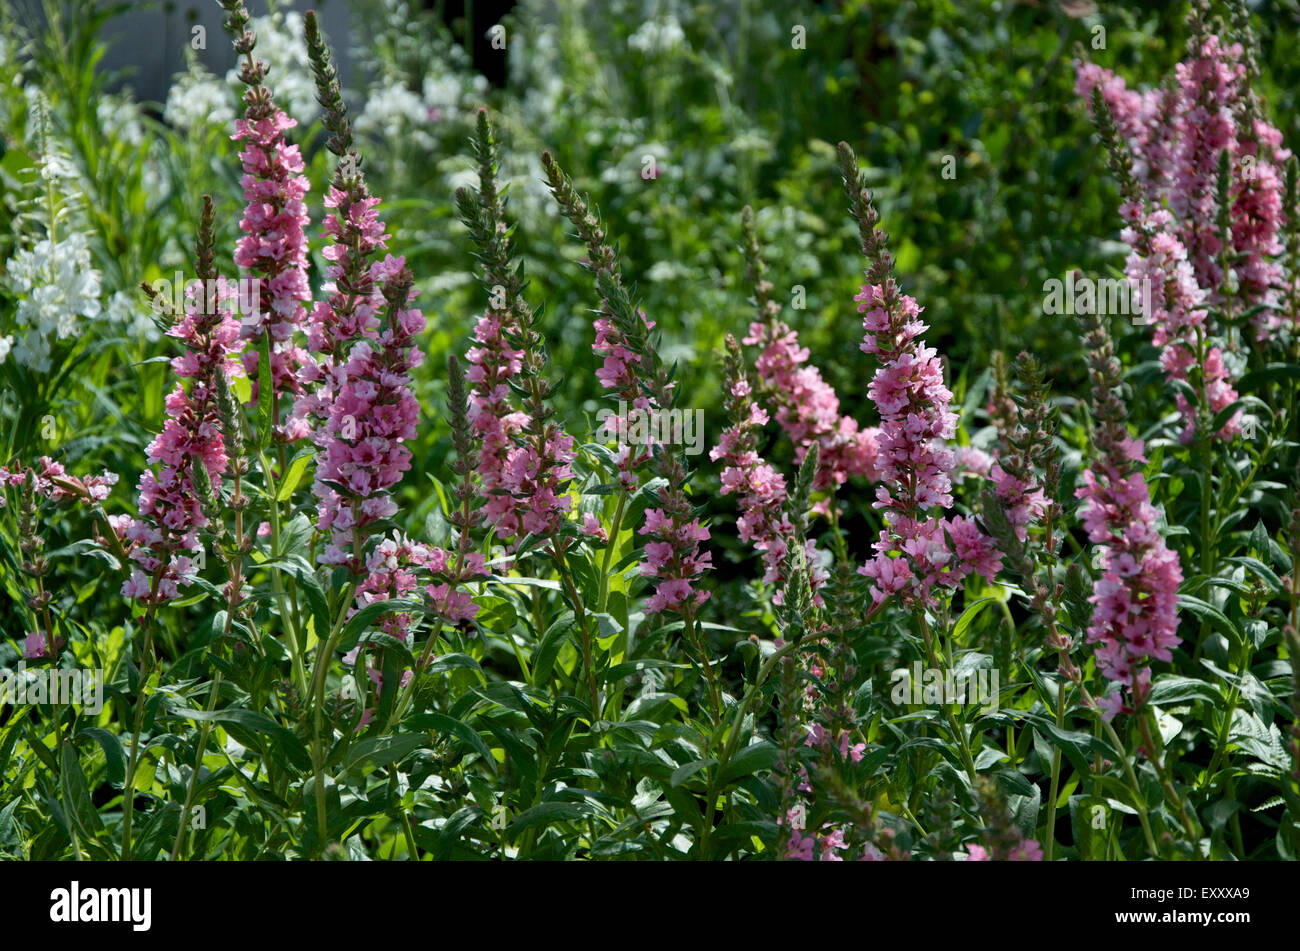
493	364
373	413
1027	474
1149	121
634	372
1178	313
914	461
1135	598
50	480
1259	218
1177	302
274	246
525	458
1178	137
359	387
1210	82
805	405
762	490
190	452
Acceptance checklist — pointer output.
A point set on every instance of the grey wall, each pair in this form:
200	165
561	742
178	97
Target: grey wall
150	40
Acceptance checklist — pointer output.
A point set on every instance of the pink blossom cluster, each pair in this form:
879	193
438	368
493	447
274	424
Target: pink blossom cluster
394	569
171	504
672	556
1176	136
1022	497
1258	218
493	363
51	481
808	409
373	413
449	572
1135	600
672	553
1159	261
1147	120
914	462
1025	850
535	474
762	493
1210	83
619	373
826	842
804	845
522	473
353	302
36	647
618	370
391	573
274	244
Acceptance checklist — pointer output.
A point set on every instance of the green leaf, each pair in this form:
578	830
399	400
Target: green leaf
441	723
683	773
1076	745
968	617
76	797
546	813
291	478
548	649
1208	612
254	722
454	662
1090	817
114	754
242	389
1169	689
450	832
1273	373
383	750
752	759
371	613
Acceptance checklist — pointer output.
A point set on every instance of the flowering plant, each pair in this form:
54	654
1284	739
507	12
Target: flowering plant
381	589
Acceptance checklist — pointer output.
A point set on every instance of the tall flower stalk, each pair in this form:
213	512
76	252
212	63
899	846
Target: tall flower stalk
273	248
804	404
635	374
525	458
1135	598
914	461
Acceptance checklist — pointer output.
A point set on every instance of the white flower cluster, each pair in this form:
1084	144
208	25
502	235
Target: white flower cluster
198	99
56	286
658	36
392	109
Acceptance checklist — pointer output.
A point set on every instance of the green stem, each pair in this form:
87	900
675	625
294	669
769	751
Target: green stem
1166	783
608	560
1049	837
959	734
1138	799
318	703
204	731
